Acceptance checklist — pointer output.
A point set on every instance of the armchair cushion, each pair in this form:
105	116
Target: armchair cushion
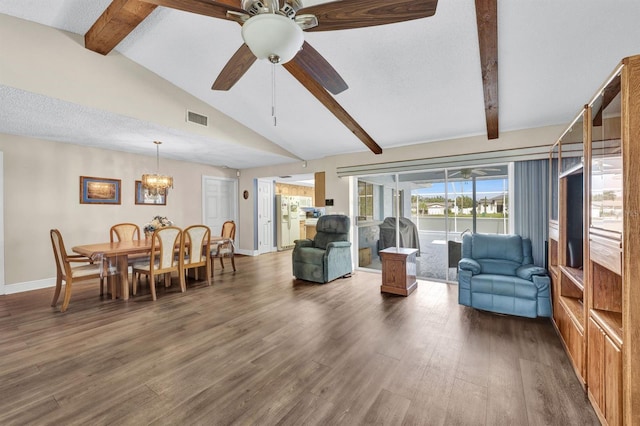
312	255
498	266
527	271
506	247
304	243
335	244
467	264
332	228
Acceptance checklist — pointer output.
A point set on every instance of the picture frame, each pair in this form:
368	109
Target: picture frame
96	190
143	197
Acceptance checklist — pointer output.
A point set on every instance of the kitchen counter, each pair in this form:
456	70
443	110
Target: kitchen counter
310	227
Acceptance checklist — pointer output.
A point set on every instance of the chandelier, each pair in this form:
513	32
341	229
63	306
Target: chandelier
157	184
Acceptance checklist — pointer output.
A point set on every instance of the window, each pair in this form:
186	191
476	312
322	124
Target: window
442	204
365	200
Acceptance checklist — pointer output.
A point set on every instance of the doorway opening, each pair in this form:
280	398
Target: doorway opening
292	214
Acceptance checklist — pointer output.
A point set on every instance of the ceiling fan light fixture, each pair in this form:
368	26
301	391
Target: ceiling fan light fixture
272	36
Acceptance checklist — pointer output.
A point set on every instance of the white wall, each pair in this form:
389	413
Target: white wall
41	178
54	63
42	191
338	188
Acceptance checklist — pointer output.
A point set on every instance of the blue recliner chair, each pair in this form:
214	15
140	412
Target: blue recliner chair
496	273
328	255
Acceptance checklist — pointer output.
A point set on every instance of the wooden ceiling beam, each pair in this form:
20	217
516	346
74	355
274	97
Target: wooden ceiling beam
487	22
115	23
123	16
331	104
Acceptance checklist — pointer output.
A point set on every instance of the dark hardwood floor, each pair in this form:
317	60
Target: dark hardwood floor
258	347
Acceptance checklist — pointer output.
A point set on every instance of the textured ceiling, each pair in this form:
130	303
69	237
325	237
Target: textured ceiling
410	82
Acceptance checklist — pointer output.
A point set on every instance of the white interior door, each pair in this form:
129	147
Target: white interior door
265	216
219	203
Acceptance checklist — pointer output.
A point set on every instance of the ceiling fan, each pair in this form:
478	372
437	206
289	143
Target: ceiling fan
272	30
468	173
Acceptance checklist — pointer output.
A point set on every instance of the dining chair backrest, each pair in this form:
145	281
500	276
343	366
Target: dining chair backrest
226	248
196	244
124	232
59	252
229	230
164	243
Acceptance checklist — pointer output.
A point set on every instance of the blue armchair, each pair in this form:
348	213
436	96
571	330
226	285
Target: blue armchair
328	255
496	273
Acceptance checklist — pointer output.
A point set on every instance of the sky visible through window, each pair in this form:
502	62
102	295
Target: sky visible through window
489	188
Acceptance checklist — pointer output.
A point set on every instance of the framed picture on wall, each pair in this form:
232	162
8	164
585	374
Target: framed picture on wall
95	190
143	196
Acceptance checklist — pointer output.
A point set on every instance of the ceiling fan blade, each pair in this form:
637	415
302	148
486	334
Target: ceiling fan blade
331	104
479	172
239	63
317	66
343	15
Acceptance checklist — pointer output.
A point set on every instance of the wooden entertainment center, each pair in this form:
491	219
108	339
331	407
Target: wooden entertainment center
594	245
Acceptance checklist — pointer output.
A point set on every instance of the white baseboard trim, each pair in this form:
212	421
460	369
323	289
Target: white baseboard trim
51	282
29	285
247	252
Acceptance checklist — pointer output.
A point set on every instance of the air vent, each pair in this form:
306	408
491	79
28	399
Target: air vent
196	118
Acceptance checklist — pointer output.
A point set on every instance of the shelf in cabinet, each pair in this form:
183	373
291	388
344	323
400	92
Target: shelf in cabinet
575	309
575	275
611	322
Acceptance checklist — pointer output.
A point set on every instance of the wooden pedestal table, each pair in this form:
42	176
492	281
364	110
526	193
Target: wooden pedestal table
398	270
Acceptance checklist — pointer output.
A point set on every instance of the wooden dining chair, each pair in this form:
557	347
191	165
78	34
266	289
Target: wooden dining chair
124	232
65	272
162	261
196	245
227	248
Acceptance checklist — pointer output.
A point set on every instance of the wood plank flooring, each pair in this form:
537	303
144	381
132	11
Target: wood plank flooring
258	347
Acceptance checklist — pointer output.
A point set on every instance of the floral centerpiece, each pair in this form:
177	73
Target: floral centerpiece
156	222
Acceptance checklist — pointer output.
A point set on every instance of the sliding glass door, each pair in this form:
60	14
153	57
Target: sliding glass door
442	206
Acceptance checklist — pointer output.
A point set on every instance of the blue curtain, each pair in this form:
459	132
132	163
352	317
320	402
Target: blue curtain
530	197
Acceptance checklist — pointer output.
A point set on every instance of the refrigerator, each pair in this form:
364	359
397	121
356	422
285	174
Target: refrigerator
289	218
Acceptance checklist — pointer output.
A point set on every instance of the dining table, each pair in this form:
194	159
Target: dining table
116	256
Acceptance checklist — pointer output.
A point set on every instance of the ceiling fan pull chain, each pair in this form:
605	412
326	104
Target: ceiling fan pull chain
273	94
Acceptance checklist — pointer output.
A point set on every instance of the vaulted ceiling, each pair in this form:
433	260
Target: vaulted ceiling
435	78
